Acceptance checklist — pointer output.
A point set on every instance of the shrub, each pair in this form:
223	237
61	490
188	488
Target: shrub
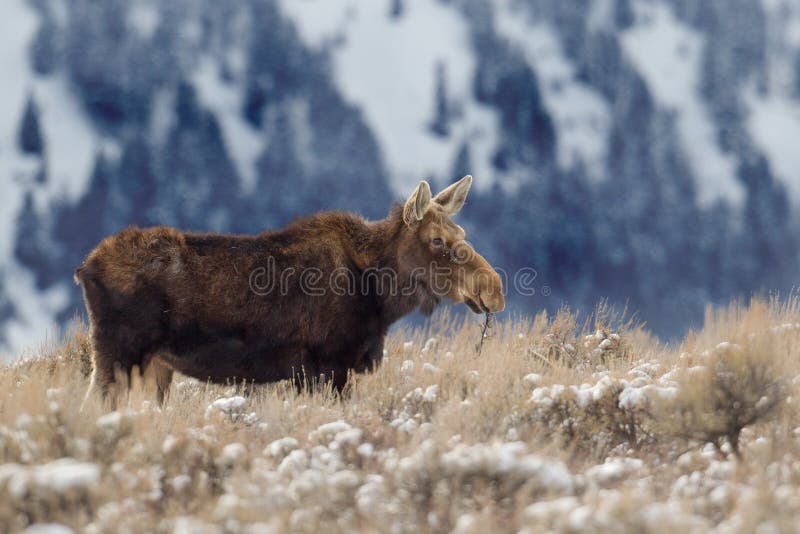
732	387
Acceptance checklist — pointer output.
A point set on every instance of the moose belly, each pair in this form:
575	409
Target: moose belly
230	358
227	360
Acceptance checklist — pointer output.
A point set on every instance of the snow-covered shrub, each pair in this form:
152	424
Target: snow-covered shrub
593	417
504	442
604	346
559	344
233	409
733	387
34	491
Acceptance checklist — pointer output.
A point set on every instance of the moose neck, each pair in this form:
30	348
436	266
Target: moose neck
381	251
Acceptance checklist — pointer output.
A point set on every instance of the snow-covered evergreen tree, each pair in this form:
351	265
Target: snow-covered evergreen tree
198	183
440	125
769	246
80	227
282	177
33	246
462	165
396	8
29	136
348	169
279	67
7	309
134	194
45	51
114	70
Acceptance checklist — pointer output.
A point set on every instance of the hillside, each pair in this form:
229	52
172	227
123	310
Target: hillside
555	426
636	150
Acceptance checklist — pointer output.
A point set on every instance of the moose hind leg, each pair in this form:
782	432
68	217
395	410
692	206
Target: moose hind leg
369	361
374	353
102	383
113	363
156	372
123	329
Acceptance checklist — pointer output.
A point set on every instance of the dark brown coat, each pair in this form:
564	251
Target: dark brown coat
262	308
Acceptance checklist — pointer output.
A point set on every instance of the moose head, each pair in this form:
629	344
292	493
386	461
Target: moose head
445	265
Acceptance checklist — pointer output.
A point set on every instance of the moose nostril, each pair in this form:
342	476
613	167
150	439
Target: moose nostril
487	288
492	302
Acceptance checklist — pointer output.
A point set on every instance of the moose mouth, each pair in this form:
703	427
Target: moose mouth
476	307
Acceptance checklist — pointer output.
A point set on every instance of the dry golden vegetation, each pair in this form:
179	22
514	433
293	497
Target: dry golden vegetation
559	425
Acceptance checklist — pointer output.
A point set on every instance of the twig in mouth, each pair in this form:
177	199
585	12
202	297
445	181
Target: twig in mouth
487	324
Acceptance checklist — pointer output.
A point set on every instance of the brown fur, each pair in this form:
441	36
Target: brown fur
166	300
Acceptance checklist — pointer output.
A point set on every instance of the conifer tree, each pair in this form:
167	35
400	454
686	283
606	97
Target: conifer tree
441	119
30	135
396	9
30	247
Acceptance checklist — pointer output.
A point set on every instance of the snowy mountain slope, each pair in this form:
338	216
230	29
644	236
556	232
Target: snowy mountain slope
243	142
16	30
70	143
620	136
774	113
774	124
667	53
388	67
77	114
580	114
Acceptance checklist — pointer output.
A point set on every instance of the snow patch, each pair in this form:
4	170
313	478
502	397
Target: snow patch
774	125
34	323
48	528
613	470
387	67
667	54
228	404
232	409
581	115
17	27
507	458
70	145
328	431
116	422
243	142
143	19
59	476
70	142
232	453
281	447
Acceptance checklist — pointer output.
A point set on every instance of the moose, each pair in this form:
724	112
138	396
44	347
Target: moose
161	300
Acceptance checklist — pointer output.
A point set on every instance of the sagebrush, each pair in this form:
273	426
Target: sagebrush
562	423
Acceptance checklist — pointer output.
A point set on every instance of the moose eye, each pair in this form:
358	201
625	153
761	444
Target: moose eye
437	242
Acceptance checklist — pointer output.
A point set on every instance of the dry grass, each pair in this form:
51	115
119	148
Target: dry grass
560	425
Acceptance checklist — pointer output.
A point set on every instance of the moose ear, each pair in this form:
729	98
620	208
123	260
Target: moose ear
417	203
453	197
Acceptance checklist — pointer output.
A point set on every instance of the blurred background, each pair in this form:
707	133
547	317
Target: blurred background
647	151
